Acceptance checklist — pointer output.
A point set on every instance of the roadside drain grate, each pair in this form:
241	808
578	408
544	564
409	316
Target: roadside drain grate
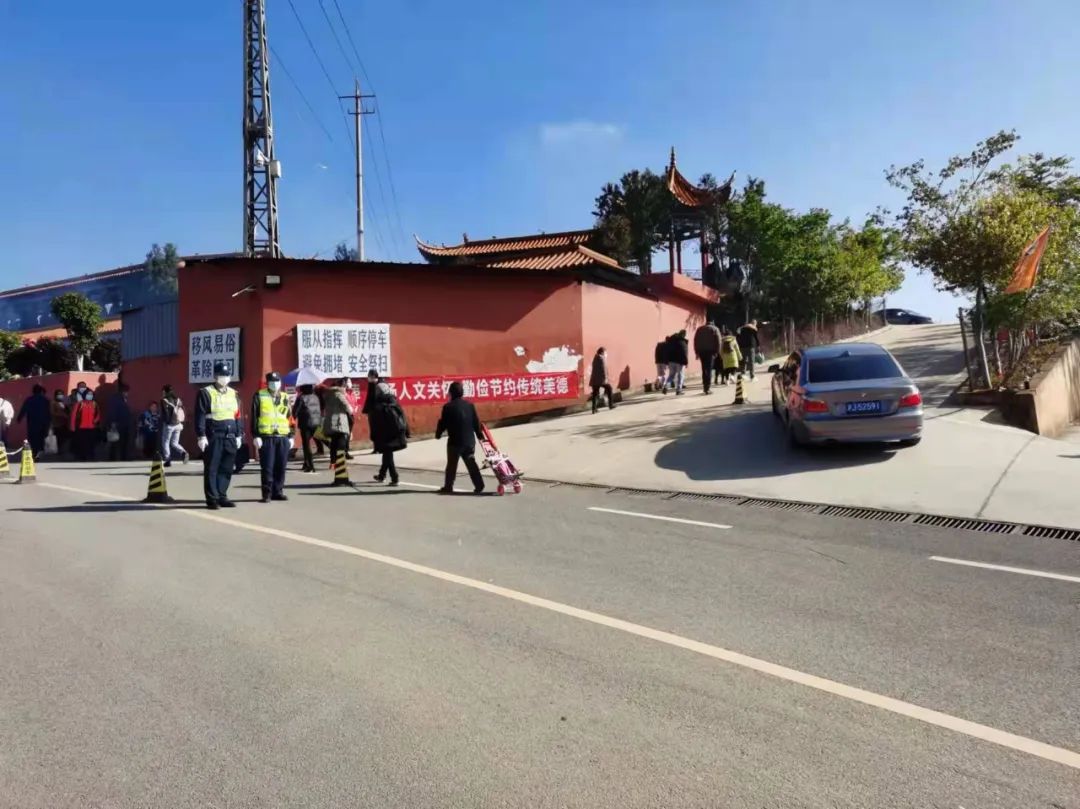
780	505
639	492
1051	533
986	526
731	499
864	514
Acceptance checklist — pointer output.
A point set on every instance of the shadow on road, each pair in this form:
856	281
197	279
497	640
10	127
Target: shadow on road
112	507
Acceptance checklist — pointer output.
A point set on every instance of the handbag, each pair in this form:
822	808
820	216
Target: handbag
759	358
52	446
113	435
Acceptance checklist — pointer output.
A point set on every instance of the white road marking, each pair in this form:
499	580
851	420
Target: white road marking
658	517
1022	570
1059	755
419	485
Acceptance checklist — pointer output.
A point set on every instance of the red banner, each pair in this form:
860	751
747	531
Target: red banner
480	388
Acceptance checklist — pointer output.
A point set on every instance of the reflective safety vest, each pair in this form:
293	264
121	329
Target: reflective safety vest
273	418
224	405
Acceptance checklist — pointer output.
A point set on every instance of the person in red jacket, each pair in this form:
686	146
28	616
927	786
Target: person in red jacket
85	423
352	396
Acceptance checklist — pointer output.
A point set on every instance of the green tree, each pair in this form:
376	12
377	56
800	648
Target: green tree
633	218
162	266
9	342
106	355
342	252
83	320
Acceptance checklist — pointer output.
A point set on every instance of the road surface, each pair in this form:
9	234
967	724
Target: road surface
564	648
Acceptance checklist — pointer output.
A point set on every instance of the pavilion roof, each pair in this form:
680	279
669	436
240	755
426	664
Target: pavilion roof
543	251
690	195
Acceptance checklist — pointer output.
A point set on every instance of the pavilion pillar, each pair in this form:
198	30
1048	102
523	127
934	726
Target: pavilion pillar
704	255
671	249
678	256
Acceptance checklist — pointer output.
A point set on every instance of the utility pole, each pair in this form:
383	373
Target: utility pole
261	168
358	110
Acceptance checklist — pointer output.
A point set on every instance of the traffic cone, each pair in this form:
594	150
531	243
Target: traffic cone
27	472
5	468
341	471
156	491
740	394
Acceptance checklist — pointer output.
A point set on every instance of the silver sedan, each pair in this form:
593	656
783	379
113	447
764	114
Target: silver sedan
848	392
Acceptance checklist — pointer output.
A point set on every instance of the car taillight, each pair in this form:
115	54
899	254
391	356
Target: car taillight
911	400
814	406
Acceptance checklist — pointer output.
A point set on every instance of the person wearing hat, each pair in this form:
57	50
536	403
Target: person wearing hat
217	425
272	423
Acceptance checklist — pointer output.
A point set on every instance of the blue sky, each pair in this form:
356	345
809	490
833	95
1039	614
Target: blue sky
499	118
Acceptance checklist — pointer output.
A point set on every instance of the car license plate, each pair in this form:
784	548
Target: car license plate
862	408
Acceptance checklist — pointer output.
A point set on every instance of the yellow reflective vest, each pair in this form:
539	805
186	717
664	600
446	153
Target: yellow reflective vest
273	418
224	405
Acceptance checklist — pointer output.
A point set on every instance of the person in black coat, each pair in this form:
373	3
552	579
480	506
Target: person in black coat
461	424
389	429
308	414
678	354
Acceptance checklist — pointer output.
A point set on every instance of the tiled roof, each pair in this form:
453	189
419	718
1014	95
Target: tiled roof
509	244
691	195
545	251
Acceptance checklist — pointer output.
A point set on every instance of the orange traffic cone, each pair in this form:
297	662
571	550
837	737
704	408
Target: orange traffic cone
156	490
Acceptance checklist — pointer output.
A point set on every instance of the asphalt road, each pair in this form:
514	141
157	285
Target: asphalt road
390	648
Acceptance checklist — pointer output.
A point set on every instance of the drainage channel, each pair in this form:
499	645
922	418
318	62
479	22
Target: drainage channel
843	512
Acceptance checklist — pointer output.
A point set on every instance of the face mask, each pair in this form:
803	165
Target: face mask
59	397
372	381
273	387
348	386
222	381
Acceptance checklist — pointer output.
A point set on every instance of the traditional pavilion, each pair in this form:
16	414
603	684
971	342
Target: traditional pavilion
689	213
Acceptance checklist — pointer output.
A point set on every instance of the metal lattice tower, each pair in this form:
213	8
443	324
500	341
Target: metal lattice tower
261	168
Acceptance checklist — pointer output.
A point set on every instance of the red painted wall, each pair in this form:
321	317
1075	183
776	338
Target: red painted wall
439	323
629	327
17	391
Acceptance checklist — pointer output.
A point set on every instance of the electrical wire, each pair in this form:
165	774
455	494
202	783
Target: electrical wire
281	64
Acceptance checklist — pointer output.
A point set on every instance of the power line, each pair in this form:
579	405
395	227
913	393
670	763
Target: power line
281	64
378	116
315	52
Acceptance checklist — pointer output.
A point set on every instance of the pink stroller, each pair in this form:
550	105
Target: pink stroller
505	472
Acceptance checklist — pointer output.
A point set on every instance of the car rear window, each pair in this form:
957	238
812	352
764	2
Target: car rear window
852	368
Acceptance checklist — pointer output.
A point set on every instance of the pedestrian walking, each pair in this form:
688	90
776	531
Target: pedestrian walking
352	396
119	420
706	349
85	425
660	355
461	424
61	416
173	417
336	423
7	418
598	379
307	411
150	430
219	431
373	380
749	345
389	429
678	353
730	355
273	436
35	410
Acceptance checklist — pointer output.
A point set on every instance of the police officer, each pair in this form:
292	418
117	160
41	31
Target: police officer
217	425
273	429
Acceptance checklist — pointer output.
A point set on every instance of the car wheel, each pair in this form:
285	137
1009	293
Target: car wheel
911	442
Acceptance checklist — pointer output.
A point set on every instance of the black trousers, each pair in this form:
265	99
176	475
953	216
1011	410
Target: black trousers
453	455
306	437
338	443
273	458
219	459
118	450
596	395
708	364
387	467
748	363
85	443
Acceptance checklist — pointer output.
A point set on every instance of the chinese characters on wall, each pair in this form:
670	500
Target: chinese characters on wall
205	348
344	349
433	390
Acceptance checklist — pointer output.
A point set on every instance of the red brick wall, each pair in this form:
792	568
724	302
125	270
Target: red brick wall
17	391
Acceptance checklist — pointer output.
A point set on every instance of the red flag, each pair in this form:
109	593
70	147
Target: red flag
1027	267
